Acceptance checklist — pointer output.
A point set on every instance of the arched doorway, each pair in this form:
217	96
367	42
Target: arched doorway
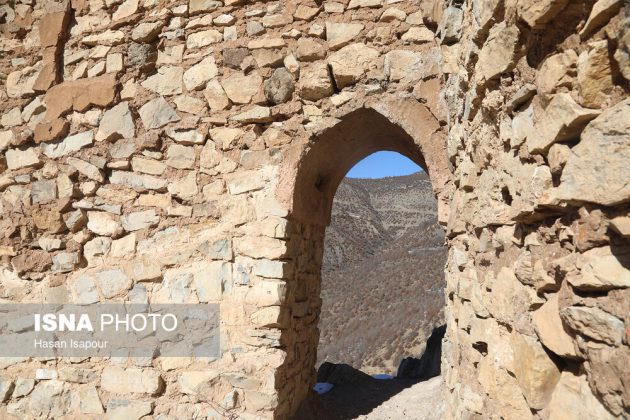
309	178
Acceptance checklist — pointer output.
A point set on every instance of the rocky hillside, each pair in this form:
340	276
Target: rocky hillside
382	276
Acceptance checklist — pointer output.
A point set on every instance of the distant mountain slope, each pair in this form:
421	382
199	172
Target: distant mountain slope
382	276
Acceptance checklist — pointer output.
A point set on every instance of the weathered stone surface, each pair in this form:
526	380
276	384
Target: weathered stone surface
116	123
392	14
497	54
157	113
535	372
46	400
167	81
120	409
143	56
209	280
602	269
6	386
75	220
218	250
267	58
180	157
538	13
6	138
279	87
191	381
594	323
601	13
147	166
268	42
315	82
124	246
126	9
43	191
215	96
255	114
48	220
621	225
308	49
102	223
350	63
69	145
90	402
340	34
86	169
233	57
108	37
96	248
451	24
244	182
510	299
11	118
20	83
556	72
600	159
130	380
114	63
133	180
17	158
139	220
409	65
355	4
198	75
622	55
276	20
202	6
418	35
304	12
65	262
551	332
203	38
112	282
594	75
49	131
190	105
23	387
187	137
146	32
37	261
80	95
573	398
185	188
563	119
241	88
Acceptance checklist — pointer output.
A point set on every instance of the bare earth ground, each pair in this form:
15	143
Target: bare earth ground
421	401
394	399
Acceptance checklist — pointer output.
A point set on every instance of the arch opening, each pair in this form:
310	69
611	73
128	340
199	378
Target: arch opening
311	178
358	135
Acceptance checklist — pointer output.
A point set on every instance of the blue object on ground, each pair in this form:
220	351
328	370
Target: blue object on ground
382	376
322	387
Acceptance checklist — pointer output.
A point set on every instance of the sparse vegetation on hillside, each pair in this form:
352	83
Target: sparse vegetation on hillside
382	277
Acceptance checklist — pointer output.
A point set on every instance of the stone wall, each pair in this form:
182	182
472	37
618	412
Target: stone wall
537	278
188	151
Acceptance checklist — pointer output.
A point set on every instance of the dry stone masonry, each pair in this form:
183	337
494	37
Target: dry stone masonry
189	150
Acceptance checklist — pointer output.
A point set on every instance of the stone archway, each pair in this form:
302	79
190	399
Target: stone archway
309	178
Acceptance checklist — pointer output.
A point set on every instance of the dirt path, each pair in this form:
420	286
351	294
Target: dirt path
374	399
421	401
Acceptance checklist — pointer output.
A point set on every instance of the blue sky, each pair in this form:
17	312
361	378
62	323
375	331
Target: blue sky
382	164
